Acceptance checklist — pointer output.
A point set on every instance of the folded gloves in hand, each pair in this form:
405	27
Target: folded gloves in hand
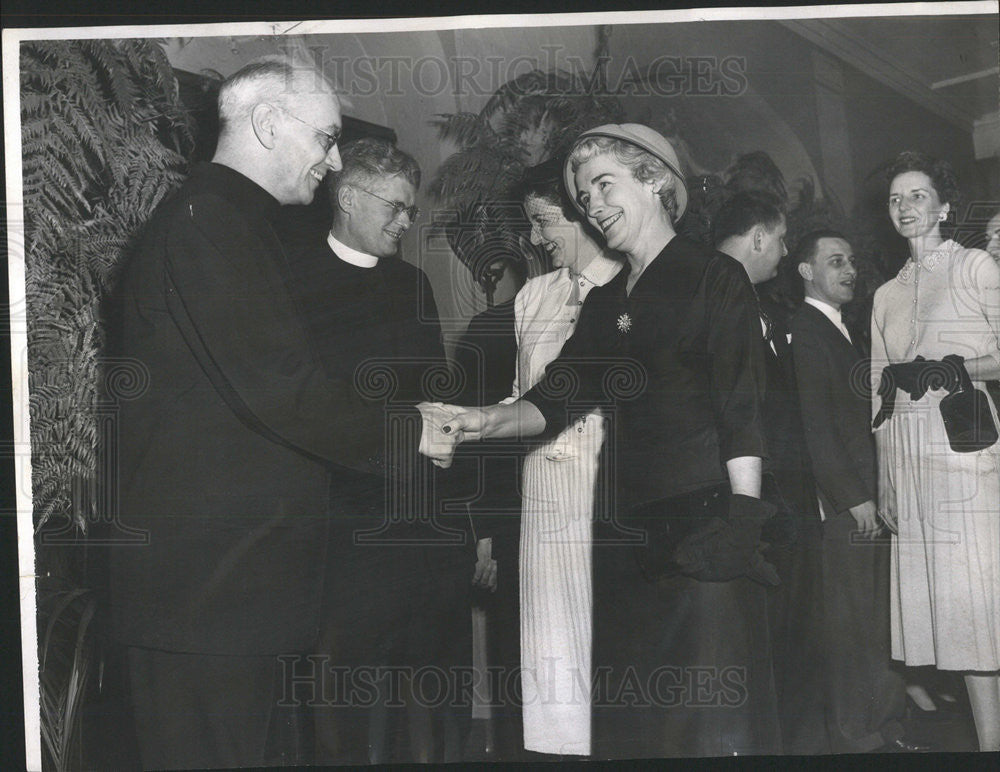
722	550
917	378
922	375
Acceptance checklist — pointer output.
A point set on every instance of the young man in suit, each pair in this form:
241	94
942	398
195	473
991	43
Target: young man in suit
866	697
750	227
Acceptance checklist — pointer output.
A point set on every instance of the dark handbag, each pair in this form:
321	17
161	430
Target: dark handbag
967	418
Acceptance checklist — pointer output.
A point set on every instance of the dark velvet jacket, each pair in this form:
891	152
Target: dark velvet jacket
678	364
486	475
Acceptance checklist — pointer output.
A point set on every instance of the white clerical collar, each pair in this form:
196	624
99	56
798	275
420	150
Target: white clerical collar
350	255
830	312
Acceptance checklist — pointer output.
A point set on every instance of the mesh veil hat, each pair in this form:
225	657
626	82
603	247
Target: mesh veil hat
642	137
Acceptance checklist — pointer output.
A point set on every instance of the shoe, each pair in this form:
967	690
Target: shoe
902	745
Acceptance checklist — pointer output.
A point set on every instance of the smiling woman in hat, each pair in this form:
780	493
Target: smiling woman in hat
670	349
636	217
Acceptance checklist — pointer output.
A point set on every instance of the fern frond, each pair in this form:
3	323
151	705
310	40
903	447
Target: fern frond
94	168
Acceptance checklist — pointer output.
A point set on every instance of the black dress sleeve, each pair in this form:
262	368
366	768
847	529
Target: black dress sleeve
573	383
737	374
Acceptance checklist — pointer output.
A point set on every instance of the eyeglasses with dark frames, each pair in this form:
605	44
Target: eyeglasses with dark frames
329	140
398	207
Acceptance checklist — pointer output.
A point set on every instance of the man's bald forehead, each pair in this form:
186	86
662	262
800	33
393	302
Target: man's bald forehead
271	80
308	81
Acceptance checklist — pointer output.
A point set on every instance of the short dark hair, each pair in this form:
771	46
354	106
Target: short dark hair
368	160
545	181
941	174
745	210
512	263
806	248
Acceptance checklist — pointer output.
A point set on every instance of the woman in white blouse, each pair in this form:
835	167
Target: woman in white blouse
558	482
944	306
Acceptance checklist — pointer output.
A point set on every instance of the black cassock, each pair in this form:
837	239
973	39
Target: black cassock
224	438
398	574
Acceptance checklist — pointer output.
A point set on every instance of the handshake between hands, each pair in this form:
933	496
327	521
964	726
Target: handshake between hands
445	427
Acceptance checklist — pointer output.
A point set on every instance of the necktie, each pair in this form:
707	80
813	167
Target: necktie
768	324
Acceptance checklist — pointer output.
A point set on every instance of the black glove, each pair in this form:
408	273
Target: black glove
908	376
723	550
922	375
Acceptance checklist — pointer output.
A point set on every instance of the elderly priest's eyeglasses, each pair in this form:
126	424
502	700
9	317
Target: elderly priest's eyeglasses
413	212
329	140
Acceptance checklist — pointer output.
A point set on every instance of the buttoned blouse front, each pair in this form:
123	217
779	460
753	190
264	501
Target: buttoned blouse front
547	309
948	303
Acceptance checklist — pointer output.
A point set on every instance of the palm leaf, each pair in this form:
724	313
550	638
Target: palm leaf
464	129
527	119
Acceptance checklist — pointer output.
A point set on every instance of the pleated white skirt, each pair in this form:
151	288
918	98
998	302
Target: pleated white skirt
557	589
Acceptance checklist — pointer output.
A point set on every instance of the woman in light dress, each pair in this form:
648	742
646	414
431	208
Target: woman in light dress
945	506
558	481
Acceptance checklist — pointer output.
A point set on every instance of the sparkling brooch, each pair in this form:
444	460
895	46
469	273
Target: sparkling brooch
624	323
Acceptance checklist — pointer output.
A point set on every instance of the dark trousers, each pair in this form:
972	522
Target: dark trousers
795	613
200	710
867	699
503	636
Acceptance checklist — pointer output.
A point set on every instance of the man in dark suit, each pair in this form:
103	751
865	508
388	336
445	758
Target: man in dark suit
396	600
866	697
750	227
223	456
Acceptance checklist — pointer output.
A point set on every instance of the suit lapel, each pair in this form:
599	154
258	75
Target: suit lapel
829	329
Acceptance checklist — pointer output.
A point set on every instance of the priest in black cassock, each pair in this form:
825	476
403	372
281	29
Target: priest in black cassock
398	575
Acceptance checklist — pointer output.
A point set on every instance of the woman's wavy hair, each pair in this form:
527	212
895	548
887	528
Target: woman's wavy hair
645	166
545	181
940	172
